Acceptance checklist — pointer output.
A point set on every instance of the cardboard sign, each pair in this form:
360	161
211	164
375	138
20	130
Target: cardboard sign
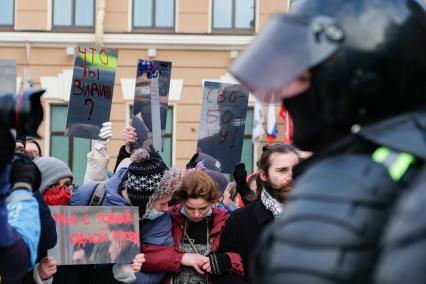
95	234
222	123
91	91
7	76
151	102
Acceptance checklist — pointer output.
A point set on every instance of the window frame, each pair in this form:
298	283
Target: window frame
73	27
153	28
60	133
249	137
10	27
233	29
70	153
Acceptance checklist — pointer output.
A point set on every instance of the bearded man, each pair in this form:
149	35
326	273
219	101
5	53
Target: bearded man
245	225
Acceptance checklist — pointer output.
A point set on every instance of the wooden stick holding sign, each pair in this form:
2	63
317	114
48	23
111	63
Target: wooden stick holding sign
151	102
95	234
91	91
222	123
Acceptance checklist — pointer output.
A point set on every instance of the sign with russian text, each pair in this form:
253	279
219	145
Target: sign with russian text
91	91
151	102
95	234
222	123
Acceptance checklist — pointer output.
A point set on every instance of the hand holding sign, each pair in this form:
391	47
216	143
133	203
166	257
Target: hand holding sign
47	267
130	136
104	133
137	262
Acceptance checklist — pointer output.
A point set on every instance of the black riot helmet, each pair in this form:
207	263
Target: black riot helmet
366	60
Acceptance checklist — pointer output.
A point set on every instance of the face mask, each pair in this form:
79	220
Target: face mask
307	126
152	214
183	212
58	195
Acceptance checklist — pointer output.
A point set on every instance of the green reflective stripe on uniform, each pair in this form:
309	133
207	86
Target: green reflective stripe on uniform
396	163
380	154
398	169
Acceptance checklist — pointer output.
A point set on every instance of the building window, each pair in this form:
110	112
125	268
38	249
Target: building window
167	152
233	16
73	151
7	8
247	155
154	15
74	15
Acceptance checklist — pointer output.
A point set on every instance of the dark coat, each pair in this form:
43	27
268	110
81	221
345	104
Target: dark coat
241	234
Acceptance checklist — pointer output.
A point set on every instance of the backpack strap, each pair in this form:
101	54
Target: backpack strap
397	163
98	194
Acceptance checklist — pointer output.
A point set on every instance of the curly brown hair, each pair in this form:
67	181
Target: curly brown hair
197	184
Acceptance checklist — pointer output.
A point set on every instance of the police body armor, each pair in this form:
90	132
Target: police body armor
340	66
342	210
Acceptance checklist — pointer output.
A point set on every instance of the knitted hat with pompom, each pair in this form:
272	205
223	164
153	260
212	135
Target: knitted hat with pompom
144	174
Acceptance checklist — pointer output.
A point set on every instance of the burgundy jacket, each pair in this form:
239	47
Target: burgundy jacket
167	258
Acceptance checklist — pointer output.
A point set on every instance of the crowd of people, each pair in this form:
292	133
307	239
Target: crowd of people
186	233
351	73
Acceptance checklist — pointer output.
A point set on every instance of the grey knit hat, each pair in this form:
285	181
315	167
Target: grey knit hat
52	170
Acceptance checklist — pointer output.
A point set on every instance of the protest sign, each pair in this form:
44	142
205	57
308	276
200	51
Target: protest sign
7	76
222	123
151	102
95	234
91	91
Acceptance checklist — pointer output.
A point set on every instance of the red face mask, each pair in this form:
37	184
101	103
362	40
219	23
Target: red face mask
58	195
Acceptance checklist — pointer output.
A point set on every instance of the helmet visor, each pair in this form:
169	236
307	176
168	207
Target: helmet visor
287	47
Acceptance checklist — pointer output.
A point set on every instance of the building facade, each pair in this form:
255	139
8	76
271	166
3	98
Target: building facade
200	37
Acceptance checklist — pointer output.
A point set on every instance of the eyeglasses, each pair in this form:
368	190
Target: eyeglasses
70	186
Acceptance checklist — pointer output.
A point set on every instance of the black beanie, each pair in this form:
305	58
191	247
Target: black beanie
144	174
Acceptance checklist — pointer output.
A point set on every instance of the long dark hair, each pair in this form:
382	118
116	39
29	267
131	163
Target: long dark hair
264	162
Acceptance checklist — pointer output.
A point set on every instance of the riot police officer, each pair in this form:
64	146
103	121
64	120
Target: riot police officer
352	75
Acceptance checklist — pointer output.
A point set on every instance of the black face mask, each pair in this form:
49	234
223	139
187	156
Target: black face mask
308	127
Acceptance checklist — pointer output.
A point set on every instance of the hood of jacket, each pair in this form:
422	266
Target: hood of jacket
81	195
158	231
113	196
